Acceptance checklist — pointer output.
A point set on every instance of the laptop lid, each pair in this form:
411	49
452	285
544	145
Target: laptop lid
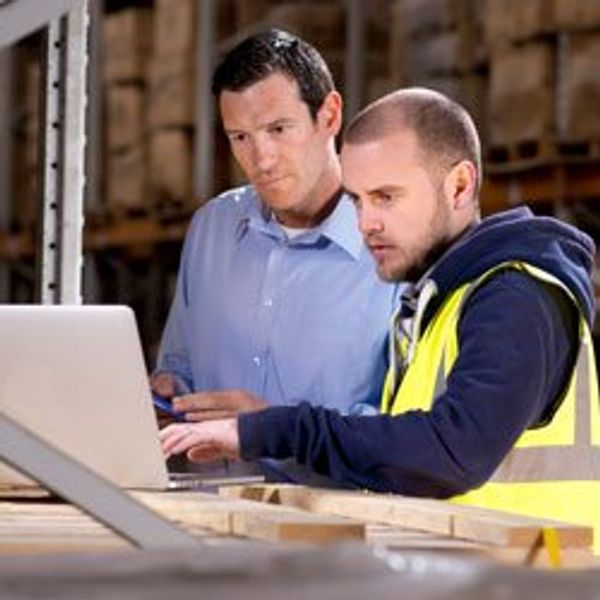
75	376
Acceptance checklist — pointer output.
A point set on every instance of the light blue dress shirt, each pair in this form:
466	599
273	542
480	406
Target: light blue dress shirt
286	319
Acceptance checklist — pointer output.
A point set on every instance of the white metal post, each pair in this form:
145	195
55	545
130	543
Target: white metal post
52	163
64	157
74	140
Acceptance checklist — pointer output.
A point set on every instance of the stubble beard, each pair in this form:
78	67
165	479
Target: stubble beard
423	258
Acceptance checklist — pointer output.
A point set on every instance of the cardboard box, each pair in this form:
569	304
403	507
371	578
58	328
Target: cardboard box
125	116
175	27
522	97
171	163
127	42
581	118
322	25
126	179
574	15
450	52
430	16
171	91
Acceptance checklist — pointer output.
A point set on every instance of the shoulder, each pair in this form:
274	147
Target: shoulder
515	307
230	205
513	290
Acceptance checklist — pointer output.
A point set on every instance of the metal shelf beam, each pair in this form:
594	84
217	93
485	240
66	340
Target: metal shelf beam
19	18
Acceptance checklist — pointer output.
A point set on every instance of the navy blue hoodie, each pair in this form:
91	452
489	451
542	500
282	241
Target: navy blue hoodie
518	342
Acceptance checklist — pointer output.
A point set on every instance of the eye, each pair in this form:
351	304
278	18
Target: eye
385	198
237	138
277	129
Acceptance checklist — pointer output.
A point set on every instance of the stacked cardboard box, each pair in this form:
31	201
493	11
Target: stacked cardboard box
439	44
544	80
125	68
172	97
510	21
521	93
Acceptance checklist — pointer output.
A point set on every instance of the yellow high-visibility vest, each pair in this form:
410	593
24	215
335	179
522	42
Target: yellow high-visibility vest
551	472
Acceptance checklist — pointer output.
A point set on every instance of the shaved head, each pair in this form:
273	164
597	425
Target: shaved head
445	132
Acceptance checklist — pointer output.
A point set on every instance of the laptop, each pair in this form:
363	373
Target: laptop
75	376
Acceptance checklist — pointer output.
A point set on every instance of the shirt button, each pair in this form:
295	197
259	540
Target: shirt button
256	361
268	303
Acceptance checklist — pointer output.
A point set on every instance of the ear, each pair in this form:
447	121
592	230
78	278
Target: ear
330	114
460	185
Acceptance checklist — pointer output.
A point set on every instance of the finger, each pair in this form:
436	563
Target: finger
171	437
209	415
197	402
169	445
204	453
163	384
163	434
183	444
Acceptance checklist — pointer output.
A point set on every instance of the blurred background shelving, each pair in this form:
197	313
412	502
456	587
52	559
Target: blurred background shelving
527	70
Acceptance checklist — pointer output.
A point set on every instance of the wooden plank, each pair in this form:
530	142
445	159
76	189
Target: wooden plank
433	516
190	509
245	518
300	527
426	515
23	492
28	527
504	529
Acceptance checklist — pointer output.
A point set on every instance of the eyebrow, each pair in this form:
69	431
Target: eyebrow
275	123
387	189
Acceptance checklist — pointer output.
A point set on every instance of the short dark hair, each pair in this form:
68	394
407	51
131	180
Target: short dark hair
275	51
444	129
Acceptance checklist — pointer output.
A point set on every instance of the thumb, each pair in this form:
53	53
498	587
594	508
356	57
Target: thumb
163	384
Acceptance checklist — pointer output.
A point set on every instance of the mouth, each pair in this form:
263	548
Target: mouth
379	251
267	183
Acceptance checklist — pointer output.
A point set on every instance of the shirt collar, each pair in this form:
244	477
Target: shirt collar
340	227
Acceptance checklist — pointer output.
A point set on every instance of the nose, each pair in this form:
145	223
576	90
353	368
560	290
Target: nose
369	220
264	155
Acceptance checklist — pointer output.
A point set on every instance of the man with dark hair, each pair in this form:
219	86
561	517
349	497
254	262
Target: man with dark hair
492	395
275	283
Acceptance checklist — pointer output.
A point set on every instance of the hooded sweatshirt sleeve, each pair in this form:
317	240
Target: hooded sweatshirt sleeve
517	340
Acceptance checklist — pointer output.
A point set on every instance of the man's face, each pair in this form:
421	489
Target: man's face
283	152
403	215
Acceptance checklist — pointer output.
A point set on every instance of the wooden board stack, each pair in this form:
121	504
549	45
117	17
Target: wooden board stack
36	523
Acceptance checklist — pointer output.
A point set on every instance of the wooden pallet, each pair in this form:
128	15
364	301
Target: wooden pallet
507	537
39	523
284	513
240	517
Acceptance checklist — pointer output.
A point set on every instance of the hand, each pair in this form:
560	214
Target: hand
209	406
207	441
164	384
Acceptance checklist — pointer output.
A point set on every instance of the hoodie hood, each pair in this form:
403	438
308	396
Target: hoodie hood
518	235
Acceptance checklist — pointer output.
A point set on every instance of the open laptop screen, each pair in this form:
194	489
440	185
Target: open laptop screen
75	376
